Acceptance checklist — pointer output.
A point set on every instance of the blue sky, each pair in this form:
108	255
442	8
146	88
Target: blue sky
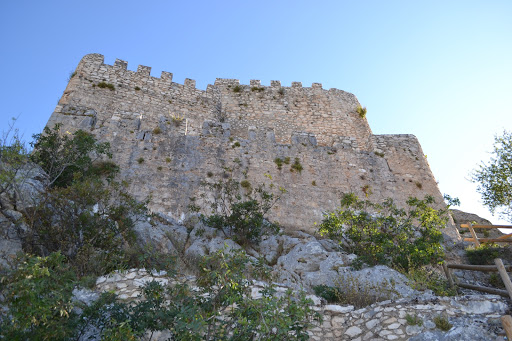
441	70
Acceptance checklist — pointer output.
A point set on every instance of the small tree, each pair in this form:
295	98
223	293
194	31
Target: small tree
494	179
240	213
65	156
388	235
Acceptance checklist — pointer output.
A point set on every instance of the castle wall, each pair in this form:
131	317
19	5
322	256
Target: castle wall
241	132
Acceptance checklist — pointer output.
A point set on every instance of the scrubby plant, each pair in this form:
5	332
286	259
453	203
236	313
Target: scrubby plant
423	278
484	254
385	234
140	160
38	295
361	111
241	216
237	88
296	166
137	88
279	163
236	144
67	157
413	320
104	85
442	323
157	131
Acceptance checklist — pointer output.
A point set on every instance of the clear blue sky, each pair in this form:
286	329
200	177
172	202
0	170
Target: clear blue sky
441	70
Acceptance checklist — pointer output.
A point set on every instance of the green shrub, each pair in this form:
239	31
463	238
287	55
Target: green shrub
484	254
137	88
442	323
237	88
413	320
140	160
236	144
157	131
104	85
259	89
361	111
385	234
89	221
38	295
279	163
68	157
330	294
423	278
168	159
296	166
241	217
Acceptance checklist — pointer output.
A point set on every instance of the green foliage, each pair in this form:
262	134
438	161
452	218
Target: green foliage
330	294
403	238
236	144
494	179
157	131
140	160
13	158
104	85
442	323
451	201
296	166
38	294
279	163
137	88
67	159
361	111
423	278
89	221
220	309
484	254
237	215
237	88
413	320
281	91
259	89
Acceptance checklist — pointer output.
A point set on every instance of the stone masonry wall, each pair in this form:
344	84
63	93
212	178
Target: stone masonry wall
169	137
473	317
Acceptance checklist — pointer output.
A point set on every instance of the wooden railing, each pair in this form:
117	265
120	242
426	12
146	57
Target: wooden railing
499	267
507	238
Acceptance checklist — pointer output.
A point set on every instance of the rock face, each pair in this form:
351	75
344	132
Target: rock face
25	192
461	217
169	137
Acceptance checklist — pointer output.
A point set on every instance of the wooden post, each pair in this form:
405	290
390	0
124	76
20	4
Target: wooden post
448	274
504	275
470	227
506	321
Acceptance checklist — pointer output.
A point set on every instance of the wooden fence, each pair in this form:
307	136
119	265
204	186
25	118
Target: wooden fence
507	238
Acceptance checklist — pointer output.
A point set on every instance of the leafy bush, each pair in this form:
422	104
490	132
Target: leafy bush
38	294
296	166
484	254
330	294
67	159
424	278
403	238
241	217
13	158
413	320
89	221
104	85
361	111
442	323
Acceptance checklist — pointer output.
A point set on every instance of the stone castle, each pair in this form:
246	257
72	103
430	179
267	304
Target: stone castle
169	137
